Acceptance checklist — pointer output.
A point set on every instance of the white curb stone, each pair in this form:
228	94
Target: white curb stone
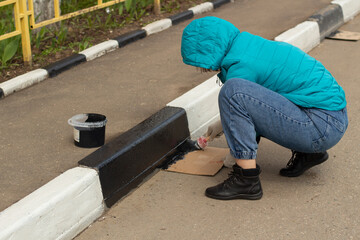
202	8
305	36
350	8
100	49
201	106
23	81
201	130
58	210
158	26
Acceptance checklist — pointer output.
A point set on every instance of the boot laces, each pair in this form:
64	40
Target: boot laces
293	158
232	177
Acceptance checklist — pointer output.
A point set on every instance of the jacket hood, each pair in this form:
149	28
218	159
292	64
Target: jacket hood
206	41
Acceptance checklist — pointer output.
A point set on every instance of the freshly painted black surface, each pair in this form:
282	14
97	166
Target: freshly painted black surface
218	3
329	19
1	93
62	65
180	152
125	161
177	18
130	37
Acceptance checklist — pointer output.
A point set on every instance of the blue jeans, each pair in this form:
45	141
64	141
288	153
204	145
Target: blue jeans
248	109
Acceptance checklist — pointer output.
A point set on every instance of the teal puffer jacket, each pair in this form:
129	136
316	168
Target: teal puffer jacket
216	44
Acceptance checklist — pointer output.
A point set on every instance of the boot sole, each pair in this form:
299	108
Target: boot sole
256	196
326	157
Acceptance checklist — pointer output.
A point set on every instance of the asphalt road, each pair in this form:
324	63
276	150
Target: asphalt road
127	85
321	204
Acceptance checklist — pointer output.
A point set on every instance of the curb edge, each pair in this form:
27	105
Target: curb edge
78	230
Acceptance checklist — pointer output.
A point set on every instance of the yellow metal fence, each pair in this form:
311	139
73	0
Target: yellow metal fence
23	15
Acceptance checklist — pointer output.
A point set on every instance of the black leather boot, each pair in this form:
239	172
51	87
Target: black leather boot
300	162
241	184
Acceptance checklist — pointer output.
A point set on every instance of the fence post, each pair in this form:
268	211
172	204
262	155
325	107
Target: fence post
157	7
25	34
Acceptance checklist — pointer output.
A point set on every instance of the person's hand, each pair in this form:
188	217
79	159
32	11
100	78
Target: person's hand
229	161
214	130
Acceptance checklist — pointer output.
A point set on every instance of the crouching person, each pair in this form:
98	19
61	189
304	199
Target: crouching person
271	89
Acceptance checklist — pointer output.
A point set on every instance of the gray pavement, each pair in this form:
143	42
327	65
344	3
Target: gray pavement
127	85
321	204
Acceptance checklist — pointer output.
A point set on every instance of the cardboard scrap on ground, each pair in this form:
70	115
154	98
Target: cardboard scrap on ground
207	162
345	35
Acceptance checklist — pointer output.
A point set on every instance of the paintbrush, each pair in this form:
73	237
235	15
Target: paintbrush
201	143
194	145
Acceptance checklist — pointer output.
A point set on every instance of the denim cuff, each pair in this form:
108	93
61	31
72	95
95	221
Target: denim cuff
243	154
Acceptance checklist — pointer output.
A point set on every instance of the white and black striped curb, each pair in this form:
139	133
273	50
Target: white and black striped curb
30	78
310	33
66	205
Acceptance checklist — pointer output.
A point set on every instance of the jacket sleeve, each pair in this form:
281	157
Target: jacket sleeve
239	70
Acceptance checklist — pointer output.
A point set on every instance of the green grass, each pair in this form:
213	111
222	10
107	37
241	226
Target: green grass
48	41
68	6
8	47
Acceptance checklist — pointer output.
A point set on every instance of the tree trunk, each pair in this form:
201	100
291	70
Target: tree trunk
44	10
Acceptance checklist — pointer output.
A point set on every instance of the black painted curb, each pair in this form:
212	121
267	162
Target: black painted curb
67	63
125	161
1	93
178	18
218	3
329	19
130	37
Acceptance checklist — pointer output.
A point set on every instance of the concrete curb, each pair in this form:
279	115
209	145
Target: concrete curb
125	161
329	19
58	210
100	49
68	204
202	111
350	8
67	63
310	33
23	81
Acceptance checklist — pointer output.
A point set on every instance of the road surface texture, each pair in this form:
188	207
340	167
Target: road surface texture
321	204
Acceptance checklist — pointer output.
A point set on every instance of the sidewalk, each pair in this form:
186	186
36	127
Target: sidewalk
321	204
127	86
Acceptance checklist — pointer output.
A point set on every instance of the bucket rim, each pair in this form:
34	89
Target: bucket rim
74	121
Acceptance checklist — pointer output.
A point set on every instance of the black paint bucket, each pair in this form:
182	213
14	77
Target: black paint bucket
89	129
